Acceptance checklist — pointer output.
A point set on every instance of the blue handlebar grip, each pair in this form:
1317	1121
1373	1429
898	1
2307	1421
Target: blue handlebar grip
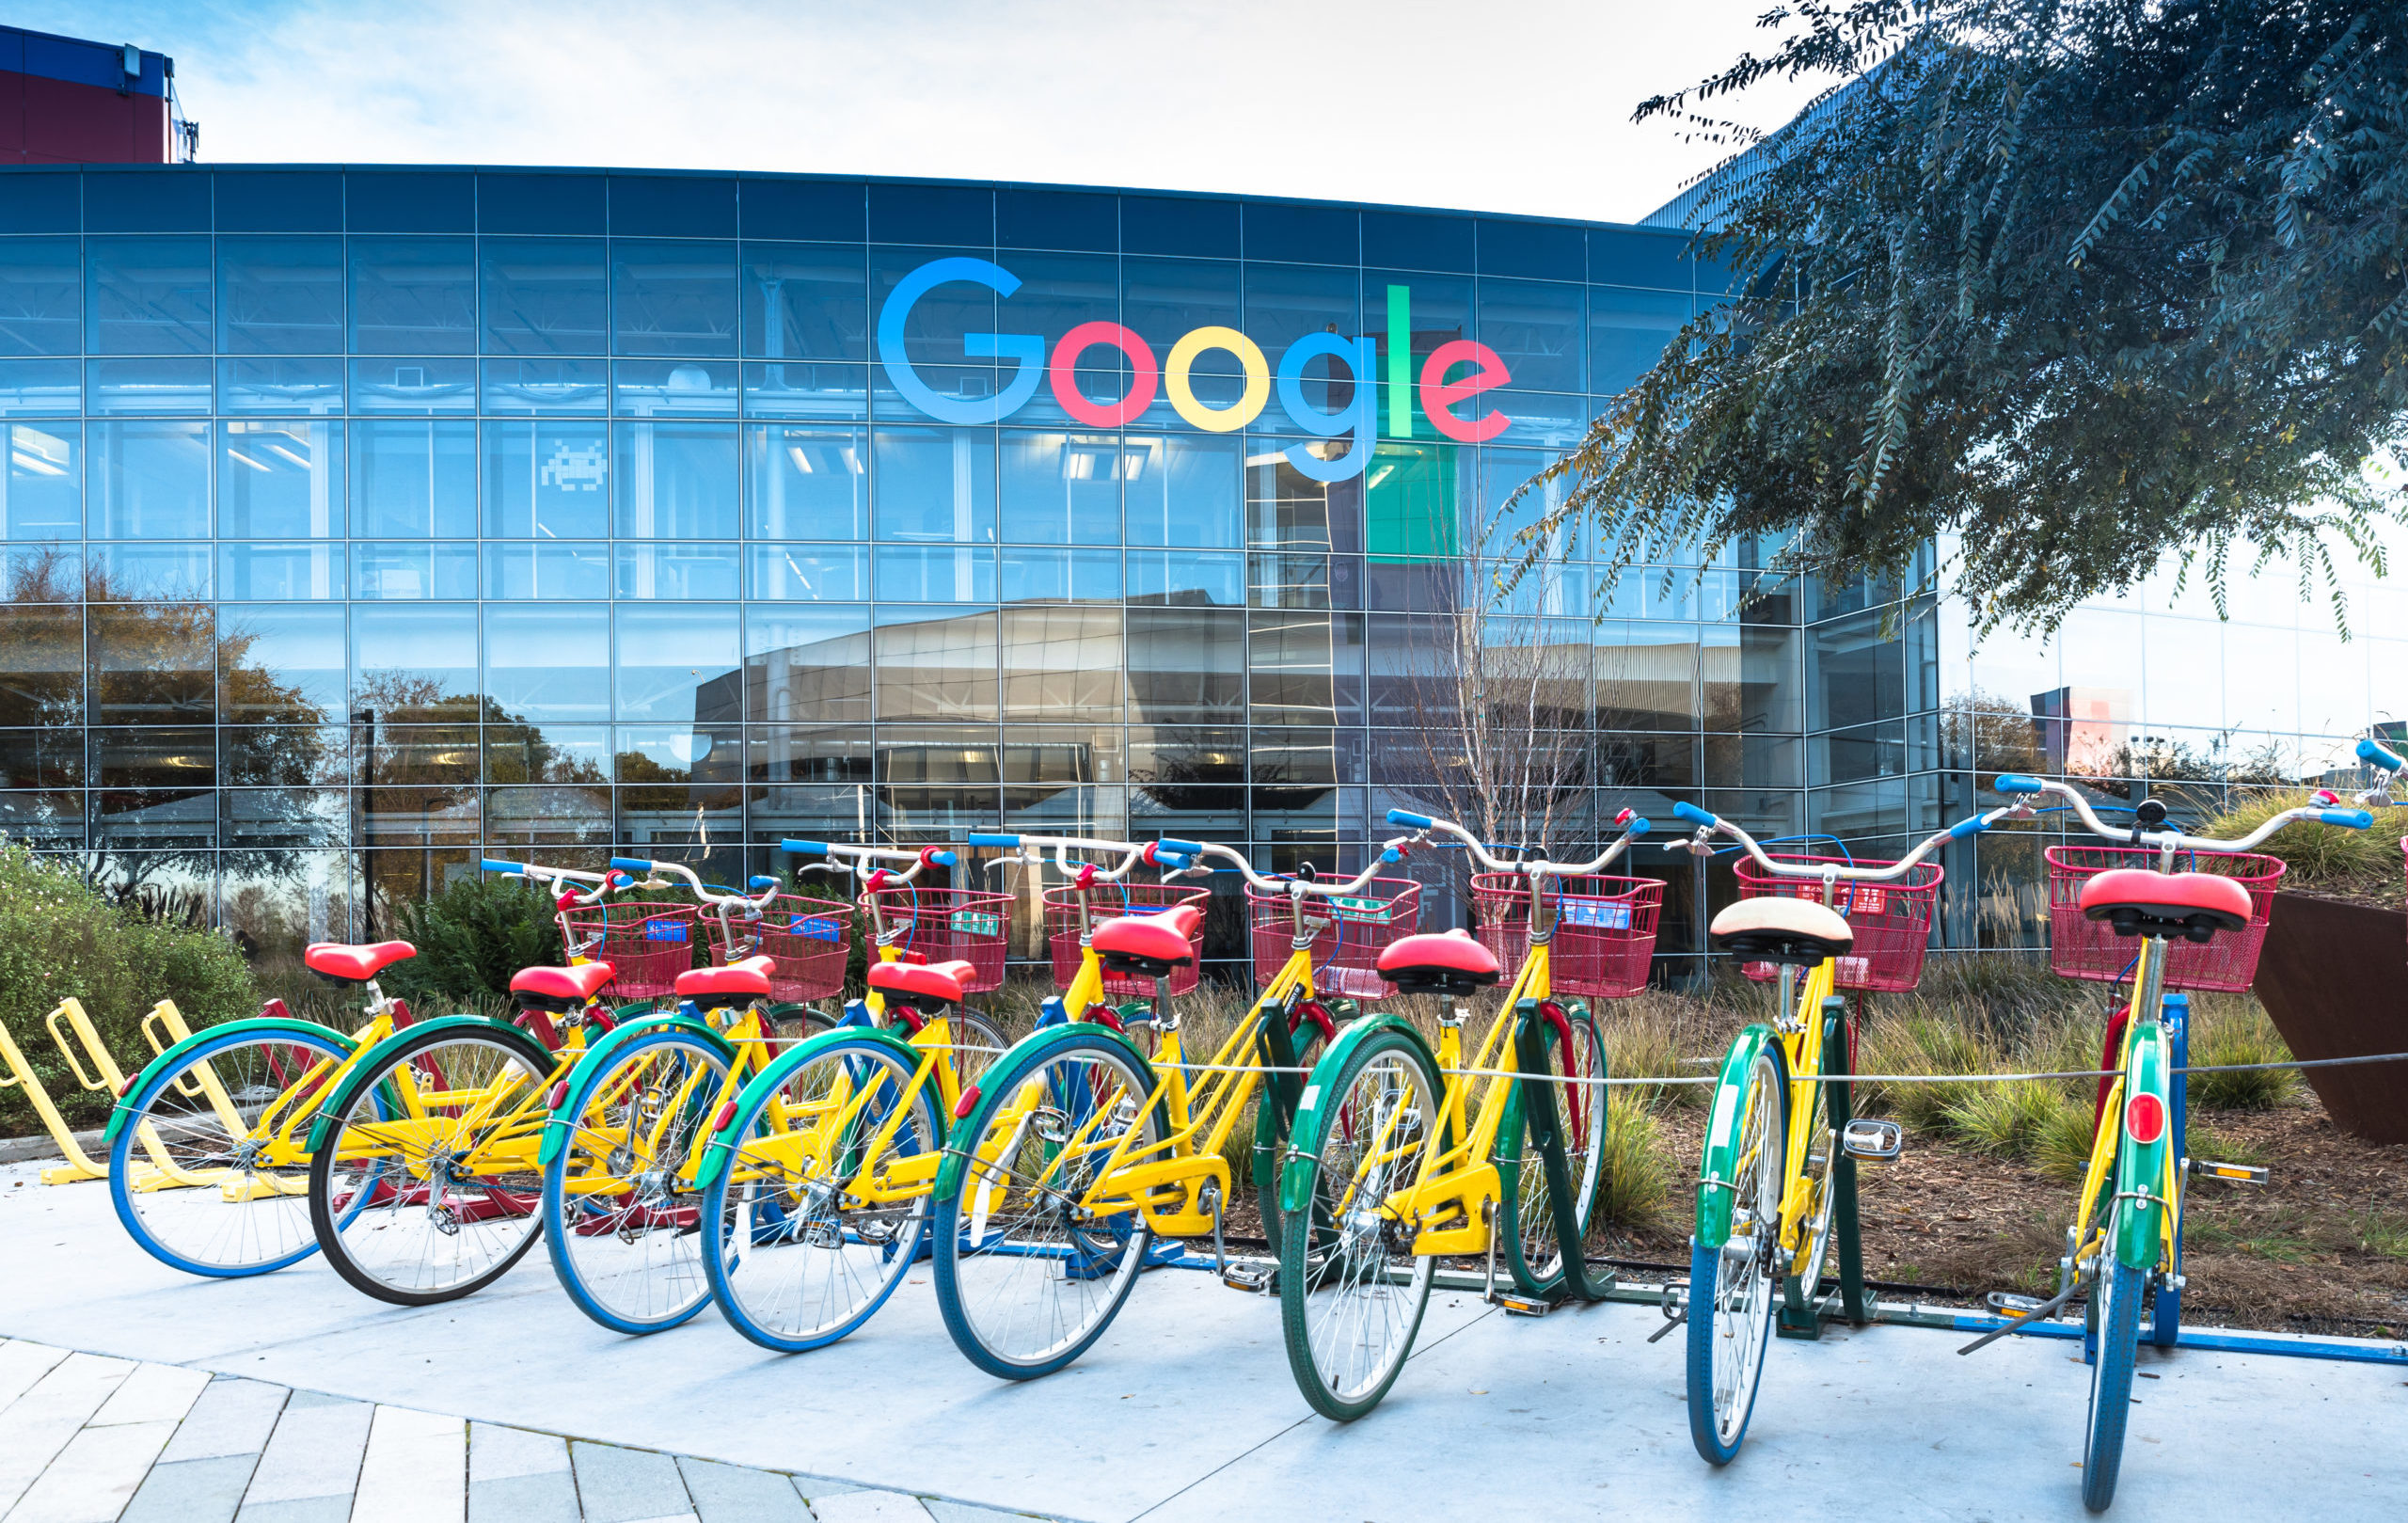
1177	862
1407	818
1692	814
2011	783
2356	819
2381	756
632	864
1389	853
1185	849
490	865
804	849
760	883
943	858
1641	825
980	838
1963	827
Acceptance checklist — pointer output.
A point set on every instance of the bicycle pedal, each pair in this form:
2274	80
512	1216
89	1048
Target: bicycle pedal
2240	1173
1259	1279
1873	1141
2011	1305
1518	1305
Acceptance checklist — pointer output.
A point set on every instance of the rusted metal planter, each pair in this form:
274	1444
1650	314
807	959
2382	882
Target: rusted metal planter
2334	977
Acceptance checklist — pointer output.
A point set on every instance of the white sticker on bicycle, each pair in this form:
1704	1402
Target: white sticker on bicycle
1312	1092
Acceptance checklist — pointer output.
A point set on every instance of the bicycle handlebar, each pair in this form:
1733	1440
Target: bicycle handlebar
1030	850
1197	850
598	884
695	884
2355	819
1633	826
1709	824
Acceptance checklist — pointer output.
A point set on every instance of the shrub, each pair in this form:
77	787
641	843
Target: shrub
470	939
2328	859
2236	1029
1635	1183
59	936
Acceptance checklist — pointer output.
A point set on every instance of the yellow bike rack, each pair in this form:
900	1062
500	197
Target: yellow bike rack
69	1026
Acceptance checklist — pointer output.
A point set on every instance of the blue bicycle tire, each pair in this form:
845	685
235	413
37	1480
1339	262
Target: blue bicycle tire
2111	1384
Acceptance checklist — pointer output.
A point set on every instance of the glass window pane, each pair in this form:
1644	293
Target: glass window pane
1042	575
1061	488
1285	302
288	572
936	573
128	573
412	570
1534	327
825	390
41	488
1183	491
677	481
42	649
149	480
153	663
41	296
808	483
546	479
413	295
548	660
1628	331
548	568
1186	577
673	298
935	664
545	296
678	664
809	573
285	386
161	384
149	295
807	663
280	479
420	385
412	479
547	386
40	387
806	301
680	571
673	389
280	665
415	659
1062	664
279	295
935	485
1186	665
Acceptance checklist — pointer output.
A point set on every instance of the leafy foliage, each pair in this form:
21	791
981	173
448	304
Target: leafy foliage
60	936
471	937
2072	285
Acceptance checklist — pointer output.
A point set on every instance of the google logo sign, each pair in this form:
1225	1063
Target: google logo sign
1441	391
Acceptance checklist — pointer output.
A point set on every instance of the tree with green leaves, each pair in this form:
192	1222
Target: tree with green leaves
2072	287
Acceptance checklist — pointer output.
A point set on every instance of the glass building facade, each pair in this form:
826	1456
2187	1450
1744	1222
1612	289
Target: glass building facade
362	522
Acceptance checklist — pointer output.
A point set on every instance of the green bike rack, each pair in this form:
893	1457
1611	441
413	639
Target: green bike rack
1804	1310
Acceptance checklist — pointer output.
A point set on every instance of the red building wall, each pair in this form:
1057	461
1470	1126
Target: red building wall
64	101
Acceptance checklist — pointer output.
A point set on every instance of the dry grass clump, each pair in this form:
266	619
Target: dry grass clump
2328	860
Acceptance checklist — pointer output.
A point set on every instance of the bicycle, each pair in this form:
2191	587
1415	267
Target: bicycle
1402	1154
1764	1183
1083	1147
2160	929
816	1179
208	1151
424	1183
620	1147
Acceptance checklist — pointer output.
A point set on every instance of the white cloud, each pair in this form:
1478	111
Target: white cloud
1495	106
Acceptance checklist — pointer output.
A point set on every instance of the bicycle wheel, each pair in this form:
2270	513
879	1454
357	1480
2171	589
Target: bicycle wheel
1271	1138
1351	1298
441	1199
1732	1290
2121	1288
798	1257
1030	1264
620	1210
1533	1245
207	1174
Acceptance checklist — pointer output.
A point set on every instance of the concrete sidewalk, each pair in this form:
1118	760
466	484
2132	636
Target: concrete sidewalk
1186	1410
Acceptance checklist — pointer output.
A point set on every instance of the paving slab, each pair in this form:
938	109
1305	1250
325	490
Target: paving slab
38	1424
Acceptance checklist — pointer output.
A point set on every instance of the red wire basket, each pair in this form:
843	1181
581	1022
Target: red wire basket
2090	950
949	925
1605	929
647	945
1352	932
1891	920
806	937
1104	901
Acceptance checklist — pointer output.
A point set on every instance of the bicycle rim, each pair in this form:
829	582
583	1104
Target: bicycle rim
799	1258
619	1203
1351	1294
199	1175
1032	1264
442	1199
1730	1332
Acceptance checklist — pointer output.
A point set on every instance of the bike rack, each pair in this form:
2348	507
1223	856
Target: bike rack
70	1027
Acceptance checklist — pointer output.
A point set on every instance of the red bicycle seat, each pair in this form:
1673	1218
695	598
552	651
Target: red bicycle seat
2175	900
1433	963
750	976
1148	944
561	989
920	985
353	964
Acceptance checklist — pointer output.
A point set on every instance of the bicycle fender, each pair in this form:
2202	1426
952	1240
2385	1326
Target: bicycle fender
562	1120
1018	1059
2141	1168
721	1146
1724	1122
369	1068
1295	1174
173	1058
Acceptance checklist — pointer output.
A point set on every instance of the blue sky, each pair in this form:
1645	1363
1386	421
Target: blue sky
1513	106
